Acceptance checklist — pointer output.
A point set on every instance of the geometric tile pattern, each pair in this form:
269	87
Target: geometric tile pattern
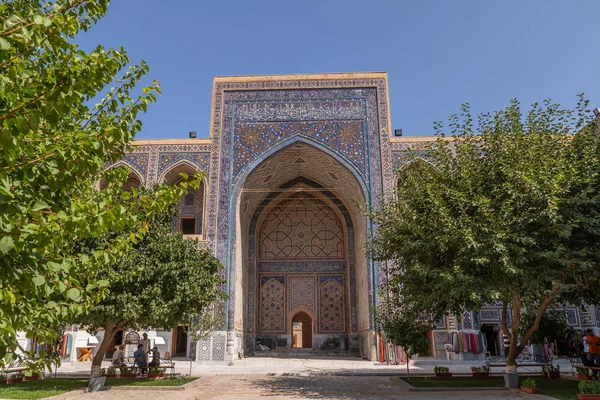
199	160
301	293
272	304
228	95
345	136
301	227
191	206
218	347
331	304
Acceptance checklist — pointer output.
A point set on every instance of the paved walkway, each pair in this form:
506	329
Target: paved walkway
297	387
307	366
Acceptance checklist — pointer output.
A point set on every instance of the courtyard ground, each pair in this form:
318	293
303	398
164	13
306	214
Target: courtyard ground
252	387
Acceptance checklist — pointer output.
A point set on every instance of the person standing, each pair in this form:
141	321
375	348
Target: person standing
146	343
593	343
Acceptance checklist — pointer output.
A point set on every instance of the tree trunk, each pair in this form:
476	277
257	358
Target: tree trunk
407	365
110	331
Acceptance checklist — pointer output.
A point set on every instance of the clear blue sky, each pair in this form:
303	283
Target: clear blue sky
438	54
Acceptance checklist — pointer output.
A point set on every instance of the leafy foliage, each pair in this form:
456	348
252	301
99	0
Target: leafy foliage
163	281
506	211
53	148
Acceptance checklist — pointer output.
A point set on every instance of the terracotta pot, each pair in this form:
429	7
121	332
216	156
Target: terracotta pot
443	374
583	377
480	374
128	375
529	390
3	382
110	375
588	396
32	377
13	380
157	376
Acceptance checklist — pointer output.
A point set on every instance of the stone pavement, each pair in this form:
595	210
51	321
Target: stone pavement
252	387
308	366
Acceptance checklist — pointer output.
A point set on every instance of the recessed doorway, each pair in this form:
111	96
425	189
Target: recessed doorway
179	347
301	331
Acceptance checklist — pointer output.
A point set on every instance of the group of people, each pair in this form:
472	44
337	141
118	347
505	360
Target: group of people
591	355
140	356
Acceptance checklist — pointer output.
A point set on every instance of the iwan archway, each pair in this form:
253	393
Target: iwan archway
305	276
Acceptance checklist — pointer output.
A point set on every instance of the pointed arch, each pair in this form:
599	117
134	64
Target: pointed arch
134	179
192	206
414	164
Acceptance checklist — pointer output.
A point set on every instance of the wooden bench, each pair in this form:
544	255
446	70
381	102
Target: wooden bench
16	366
166	364
523	360
577	362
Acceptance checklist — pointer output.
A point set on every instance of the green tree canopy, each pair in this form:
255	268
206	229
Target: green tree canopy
505	211
163	281
53	148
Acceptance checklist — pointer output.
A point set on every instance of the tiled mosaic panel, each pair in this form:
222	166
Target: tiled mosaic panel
345	136
272	304
204	349
191	206
301	227
218	347
301	293
167	160
331	304
467	322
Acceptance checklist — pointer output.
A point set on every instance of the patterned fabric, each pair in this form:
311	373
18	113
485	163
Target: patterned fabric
272	305
331	305
301	293
301	227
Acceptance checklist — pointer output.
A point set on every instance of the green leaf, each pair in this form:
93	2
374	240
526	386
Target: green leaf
39	280
40	205
74	294
4	44
6	244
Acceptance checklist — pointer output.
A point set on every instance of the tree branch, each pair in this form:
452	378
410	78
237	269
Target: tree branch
538	318
18	28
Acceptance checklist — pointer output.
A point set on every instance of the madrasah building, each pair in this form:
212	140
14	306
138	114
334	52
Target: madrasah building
290	162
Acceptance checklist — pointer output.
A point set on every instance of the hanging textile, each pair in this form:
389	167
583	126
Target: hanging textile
469	342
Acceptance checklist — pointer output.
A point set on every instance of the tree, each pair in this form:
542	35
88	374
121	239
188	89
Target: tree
53	148
404	328
507	211
163	281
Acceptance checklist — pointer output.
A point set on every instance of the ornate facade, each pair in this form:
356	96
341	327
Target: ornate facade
290	163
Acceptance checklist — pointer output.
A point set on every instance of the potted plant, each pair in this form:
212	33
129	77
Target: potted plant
551	371
32	374
589	390
109	372
442	372
158	373
583	373
529	386
480	372
15	378
128	372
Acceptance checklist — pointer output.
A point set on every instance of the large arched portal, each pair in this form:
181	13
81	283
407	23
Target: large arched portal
302	233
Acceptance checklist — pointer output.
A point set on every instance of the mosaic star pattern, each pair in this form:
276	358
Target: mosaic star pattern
301	293
272	304
301	227
331	304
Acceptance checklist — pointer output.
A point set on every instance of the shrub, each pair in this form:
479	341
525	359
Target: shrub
587	387
440	369
157	370
529	383
18	375
582	371
109	371
482	369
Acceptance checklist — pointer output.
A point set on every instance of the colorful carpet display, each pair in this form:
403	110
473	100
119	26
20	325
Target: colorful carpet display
469	342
